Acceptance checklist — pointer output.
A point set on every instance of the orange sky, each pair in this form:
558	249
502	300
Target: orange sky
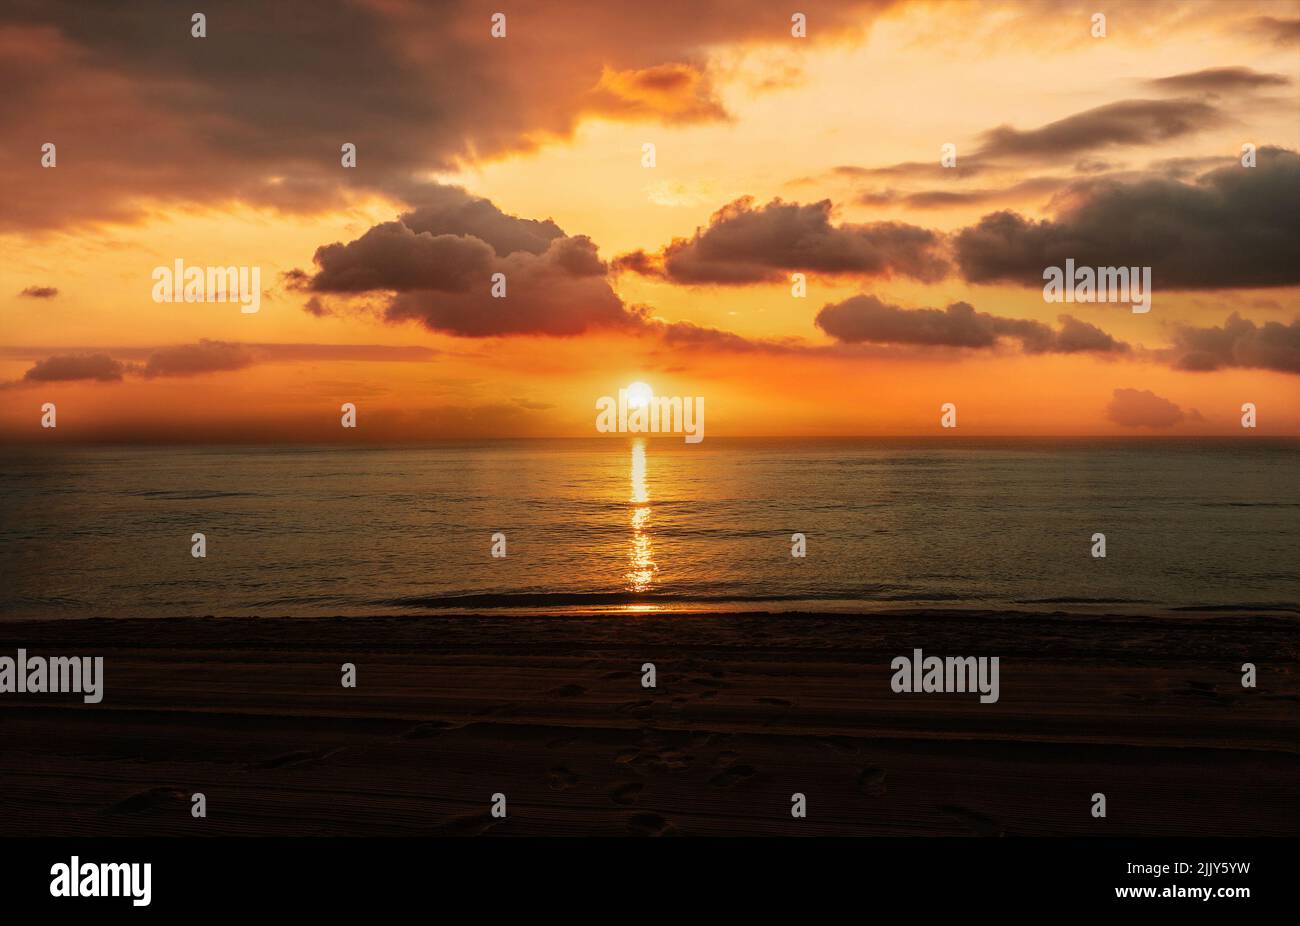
169	148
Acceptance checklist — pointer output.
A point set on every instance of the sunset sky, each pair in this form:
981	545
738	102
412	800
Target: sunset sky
523	155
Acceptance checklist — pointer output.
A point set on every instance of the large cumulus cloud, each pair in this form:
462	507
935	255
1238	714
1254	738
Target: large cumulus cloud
1234	227
1239	342
436	264
744	243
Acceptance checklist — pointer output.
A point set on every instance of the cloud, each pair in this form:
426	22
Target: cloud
1141	408
40	292
692	336
1233	227
743	244
205	356
393	256
1127	122
1238	343
72	367
192	359
257	111
560	293
943	199
866	318
673	93
264	352
449	210
1123	123
1216	80
927	170
435	265
1280	31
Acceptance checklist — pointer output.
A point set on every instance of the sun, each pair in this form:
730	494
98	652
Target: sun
639	395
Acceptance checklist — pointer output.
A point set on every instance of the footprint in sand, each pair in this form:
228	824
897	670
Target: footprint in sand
650	824
666	761
779	702
733	775
872	781
671	761
626	793
561	778
153	799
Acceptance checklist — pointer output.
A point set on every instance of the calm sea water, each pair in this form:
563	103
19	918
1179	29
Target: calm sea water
624	524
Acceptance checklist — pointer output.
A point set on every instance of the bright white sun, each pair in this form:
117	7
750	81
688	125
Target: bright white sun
639	395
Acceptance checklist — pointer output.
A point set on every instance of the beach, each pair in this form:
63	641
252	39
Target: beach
748	709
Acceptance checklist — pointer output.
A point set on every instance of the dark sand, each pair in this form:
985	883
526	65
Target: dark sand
748	710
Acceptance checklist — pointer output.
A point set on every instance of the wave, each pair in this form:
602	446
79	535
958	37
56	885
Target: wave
186	496
572	599
1263	606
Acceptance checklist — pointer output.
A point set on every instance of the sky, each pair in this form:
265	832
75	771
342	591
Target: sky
524	154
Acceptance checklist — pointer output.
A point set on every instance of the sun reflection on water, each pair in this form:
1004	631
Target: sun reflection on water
641	564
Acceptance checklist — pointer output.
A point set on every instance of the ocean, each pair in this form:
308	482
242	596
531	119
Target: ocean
634	527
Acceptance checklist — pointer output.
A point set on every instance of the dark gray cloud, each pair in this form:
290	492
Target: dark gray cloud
1239	342
257	110
907	171
1218	80
942	199
435	265
1142	408
559	293
392	256
1114	125
747	244
866	318
1233	227
40	292
449	210
1127	122
70	367
1281	31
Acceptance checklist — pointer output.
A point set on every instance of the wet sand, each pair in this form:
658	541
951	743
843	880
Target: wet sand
748	710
